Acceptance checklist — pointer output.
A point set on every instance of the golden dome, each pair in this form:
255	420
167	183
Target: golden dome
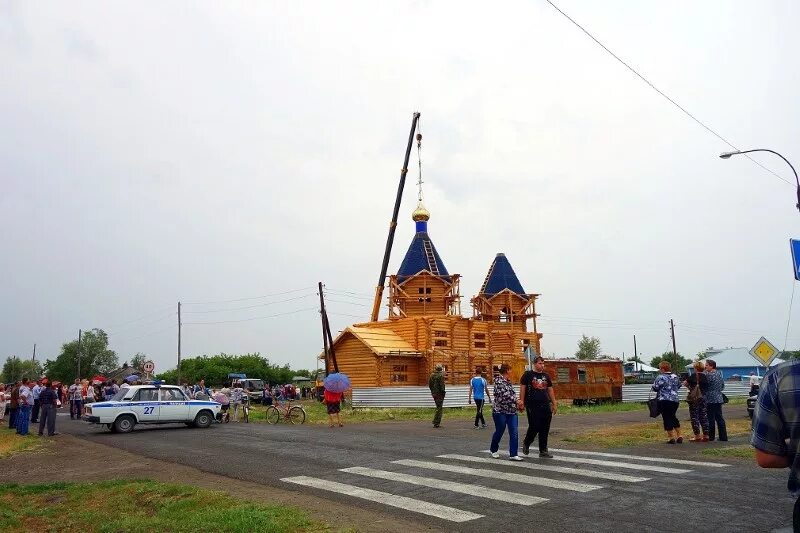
420	213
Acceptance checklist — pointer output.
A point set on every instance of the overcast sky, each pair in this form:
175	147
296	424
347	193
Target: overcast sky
213	151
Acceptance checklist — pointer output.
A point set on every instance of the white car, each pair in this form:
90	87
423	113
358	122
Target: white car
151	404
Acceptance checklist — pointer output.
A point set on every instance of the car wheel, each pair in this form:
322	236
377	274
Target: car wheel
124	424
203	419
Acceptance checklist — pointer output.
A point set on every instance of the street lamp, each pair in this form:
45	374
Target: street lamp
727	155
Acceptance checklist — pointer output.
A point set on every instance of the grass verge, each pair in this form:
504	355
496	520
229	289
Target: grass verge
11	443
637	434
317	414
139	506
742	450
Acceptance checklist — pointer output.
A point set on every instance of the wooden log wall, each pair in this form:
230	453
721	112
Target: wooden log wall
357	361
424	295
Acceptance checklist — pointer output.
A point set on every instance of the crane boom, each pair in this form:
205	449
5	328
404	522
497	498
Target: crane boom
376	305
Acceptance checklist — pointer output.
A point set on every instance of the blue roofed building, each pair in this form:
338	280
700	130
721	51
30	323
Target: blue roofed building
732	362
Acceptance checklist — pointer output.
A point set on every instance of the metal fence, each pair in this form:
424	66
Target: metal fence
640	393
457	395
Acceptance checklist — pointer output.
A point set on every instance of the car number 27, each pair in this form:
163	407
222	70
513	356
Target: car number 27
148	410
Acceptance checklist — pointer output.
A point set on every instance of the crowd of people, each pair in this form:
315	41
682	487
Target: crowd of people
36	401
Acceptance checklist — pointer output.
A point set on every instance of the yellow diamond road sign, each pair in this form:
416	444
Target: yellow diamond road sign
764	352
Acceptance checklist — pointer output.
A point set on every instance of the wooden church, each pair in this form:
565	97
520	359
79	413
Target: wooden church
425	326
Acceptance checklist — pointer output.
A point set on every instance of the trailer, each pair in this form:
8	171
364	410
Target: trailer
585	382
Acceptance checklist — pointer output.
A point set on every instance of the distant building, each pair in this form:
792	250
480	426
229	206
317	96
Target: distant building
732	362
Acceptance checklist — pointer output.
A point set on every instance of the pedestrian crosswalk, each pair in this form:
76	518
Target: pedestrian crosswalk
544	478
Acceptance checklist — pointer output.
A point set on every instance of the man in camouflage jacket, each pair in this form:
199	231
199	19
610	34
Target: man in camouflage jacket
436	384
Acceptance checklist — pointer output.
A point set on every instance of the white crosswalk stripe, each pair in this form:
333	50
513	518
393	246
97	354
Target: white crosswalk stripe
462	488
498	471
552	468
505	476
409	504
642	458
615	464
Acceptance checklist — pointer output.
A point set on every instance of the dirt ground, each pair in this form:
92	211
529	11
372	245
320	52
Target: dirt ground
67	458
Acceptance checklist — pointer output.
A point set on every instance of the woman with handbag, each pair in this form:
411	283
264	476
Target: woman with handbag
698	413
666	387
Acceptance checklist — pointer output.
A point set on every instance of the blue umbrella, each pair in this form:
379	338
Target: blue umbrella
134	377
337	382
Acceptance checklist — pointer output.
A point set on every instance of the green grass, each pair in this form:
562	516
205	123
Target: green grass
614	436
11	443
317	414
742	450
140	506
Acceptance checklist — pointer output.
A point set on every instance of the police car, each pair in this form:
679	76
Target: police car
151	404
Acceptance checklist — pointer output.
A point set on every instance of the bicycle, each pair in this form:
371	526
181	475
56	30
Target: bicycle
294	414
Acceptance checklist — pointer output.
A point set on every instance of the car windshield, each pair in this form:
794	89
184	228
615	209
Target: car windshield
256	384
120	395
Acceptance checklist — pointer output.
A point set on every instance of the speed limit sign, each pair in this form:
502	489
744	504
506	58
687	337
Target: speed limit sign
149	367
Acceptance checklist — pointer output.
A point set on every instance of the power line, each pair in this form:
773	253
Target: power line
157	320
663	94
148	315
251	306
250	298
255	317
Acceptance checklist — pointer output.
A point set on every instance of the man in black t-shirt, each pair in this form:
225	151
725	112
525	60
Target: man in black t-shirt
537	396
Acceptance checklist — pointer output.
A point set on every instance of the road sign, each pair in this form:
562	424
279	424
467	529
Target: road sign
795	247
764	352
148	367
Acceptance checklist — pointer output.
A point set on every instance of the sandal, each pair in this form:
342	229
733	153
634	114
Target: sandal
680	440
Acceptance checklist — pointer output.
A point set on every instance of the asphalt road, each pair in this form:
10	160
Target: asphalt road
483	494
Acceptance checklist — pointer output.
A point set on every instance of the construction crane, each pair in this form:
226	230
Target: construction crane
376	305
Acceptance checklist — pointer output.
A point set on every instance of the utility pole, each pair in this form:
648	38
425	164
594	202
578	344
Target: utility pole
79	353
179	344
34	353
324	331
672	331
635	356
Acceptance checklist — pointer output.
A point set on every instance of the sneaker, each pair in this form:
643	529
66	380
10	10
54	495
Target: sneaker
477	427
515	458
526	449
483	426
546	454
496	455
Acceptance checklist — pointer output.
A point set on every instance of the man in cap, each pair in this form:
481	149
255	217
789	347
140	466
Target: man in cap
436	384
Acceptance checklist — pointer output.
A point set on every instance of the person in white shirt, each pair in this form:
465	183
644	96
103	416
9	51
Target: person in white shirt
75	392
754	383
236	399
24	408
36	389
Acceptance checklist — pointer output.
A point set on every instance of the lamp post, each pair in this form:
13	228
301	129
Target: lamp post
727	155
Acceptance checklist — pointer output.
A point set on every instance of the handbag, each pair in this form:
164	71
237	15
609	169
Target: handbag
695	395
724	398
652	405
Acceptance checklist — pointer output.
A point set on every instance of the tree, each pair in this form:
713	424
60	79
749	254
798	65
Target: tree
788	354
138	361
676	361
96	357
588	348
15	368
215	369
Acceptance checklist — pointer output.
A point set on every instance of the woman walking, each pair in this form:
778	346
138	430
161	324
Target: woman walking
666	386
504	414
697	402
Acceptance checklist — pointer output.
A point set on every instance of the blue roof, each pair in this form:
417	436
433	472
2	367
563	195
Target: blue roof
417	260
500	277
